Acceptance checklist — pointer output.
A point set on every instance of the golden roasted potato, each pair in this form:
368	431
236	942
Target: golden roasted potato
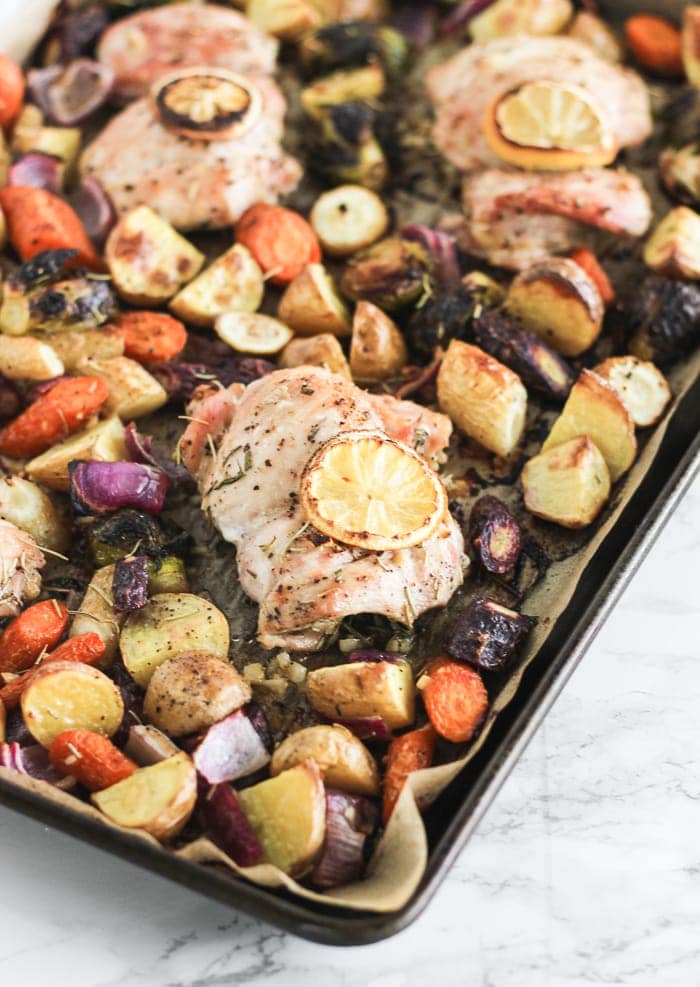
288	816
559	301
286	19
377	348
508	17
674	246
28	507
191	692
641	386
348	218
103	441
595	33
148	259
72	346
364	688
323	350
158	799
66	695
484	398
343	759
595	409
310	304
690	43
568	484
96	614
133	392
170	625
233	283
252	332
26	358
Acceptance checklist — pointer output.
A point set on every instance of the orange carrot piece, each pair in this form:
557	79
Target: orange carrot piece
655	44
589	262
279	239
39	220
87	649
11	90
455	698
91	758
407	753
38	628
56	414
150	336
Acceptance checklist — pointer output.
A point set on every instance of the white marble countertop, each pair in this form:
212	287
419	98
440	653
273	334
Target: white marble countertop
585	870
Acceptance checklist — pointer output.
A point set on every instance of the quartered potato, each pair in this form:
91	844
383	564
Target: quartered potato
288	816
133	391
641	386
96	613
567	484
25	358
322	350
65	695
674	246
377	348
170	625
28	507
73	346
233	283
148	259
348	218
310	304
364	688
595	409
343	759
103	441
158	799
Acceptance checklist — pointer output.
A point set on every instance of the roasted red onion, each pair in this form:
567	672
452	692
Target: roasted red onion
147	745
227	825
130	584
416	20
181	377
460	17
230	749
10	400
34	762
441	248
76	32
69	94
38	170
132	697
142	449
44	387
95	209
422	378
97	487
350	819
364	727
370	654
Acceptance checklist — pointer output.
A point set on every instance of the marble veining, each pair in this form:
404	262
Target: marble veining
586	869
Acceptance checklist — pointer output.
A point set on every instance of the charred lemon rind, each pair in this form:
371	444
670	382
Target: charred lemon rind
207	103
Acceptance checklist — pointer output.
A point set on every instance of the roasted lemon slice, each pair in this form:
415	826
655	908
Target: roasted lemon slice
207	103
364	489
548	126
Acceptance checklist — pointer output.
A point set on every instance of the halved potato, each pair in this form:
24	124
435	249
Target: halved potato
104	441
288	816
310	304
133	392
508	17
72	346
170	625
567	484
233	283
96	613
28	507
559	301
252	332
191	692
66	695
641	386
158	799
322	350
26	358
364	688
595	409
148	259
484	398
348	218
343	759
377	348
674	246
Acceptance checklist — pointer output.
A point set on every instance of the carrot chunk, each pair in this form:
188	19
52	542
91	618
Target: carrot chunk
150	336
56	414
655	44
409	752
85	648
11	90
280	240
38	628
39	220
91	758
455	698
589	262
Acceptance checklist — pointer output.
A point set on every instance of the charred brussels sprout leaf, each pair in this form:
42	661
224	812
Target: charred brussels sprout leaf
42	268
116	536
347	148
348	43
392	274
441	319
487	634
663	320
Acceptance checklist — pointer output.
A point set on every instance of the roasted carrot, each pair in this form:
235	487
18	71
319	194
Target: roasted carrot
56	414
39	628
655	44
455	698
589	262
85	648
150	336
409	752
91	758
11	90
281	241
38	220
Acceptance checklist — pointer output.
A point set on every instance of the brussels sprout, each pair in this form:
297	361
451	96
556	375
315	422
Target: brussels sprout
346	85
392	274
120	534
347	149
663	318
444	317
348	43
167	576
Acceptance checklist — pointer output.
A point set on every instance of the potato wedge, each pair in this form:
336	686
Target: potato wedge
343	759
26	358
484	399
133	392
508	17
233	283
560	302
377	348
568	484
191	692
674	246
286	19
30	135
594	408
170	625
148	259
364	688
28	507
641	386
288	816
158	799
96	614
66	695
310	304
103	441
73	346
323	350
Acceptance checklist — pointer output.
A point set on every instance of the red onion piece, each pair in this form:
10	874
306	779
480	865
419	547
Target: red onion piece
142	449
77	31
34	762
364	727
181	377
130	584
9	754
99	487
227	825
442	250
460	17
95	209
147	745
10	401
416	20
370	654
132	697
350	819
38	170
230	749
44	387
69	94
426	375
